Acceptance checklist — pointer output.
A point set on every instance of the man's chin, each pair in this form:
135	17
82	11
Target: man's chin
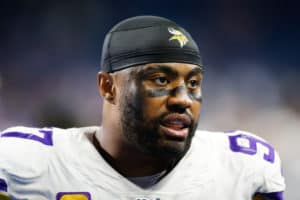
171	148
172	143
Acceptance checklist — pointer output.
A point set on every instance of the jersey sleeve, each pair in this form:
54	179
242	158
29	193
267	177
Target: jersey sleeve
262	161
23	158
272	183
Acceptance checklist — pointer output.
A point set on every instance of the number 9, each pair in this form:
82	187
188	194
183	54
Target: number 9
252	149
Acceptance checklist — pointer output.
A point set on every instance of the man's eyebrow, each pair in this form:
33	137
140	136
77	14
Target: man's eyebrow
156	69
195	71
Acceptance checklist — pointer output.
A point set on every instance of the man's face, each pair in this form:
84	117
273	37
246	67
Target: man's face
160	106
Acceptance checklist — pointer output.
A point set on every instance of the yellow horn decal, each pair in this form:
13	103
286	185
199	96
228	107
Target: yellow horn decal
179	36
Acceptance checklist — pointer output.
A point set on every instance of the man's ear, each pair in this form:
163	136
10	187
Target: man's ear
106	86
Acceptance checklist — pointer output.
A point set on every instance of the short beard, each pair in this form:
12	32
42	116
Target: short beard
142	134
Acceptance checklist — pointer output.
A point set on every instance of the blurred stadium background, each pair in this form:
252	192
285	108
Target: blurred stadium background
50	52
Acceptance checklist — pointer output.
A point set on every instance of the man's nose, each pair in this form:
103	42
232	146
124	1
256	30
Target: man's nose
179	99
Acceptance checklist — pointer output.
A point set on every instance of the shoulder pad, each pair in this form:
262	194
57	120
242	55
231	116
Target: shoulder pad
24	151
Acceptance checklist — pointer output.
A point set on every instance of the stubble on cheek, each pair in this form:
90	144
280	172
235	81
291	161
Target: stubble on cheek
131	108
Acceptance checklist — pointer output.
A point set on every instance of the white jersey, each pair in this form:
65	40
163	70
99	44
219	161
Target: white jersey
63	164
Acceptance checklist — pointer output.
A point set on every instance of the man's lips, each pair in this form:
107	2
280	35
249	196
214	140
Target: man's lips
176	126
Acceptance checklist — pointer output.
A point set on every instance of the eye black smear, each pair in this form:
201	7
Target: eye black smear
164	92
158	92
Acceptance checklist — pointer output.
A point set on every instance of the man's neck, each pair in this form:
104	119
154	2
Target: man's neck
128	161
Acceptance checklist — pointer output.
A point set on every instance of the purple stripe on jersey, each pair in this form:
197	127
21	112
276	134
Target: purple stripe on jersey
3	185
45	139
70	194
273	195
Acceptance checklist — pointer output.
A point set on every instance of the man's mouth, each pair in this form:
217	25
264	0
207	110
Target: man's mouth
176	126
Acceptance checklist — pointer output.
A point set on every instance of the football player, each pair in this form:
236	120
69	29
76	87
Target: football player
148	146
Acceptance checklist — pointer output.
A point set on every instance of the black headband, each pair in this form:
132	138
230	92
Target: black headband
147	39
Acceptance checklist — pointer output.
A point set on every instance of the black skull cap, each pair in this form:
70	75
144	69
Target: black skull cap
147	39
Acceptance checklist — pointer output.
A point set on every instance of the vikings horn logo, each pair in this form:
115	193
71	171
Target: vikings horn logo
177	35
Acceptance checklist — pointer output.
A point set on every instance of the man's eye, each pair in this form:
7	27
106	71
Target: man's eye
193	84
161	81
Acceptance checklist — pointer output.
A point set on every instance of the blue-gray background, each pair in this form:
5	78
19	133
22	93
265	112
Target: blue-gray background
50	52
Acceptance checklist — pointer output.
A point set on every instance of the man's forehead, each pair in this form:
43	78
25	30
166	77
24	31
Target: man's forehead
175	69
168	67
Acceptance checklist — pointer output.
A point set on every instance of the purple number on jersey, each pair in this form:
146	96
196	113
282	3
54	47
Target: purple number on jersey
45	138
252	148
272	195
3	185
